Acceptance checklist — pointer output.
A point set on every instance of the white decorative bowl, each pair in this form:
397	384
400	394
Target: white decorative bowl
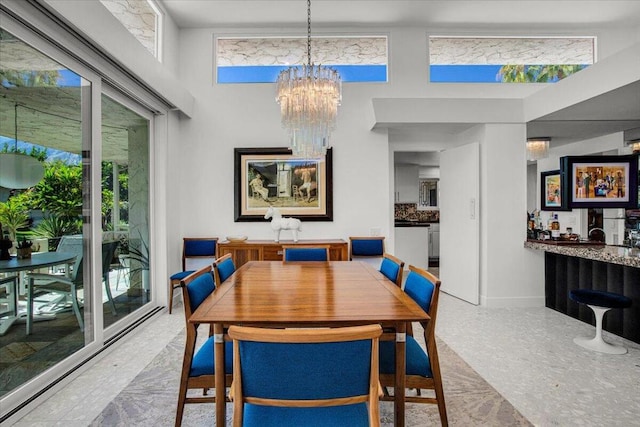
236	239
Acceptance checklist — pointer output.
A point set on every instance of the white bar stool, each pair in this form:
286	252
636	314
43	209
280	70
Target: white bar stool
600	302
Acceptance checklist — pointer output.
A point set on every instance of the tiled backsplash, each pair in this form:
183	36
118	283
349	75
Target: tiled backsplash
410	211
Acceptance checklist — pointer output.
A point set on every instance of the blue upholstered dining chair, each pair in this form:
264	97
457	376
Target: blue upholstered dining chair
392	267
223	267
305	253
198	365
196	252
368	249
305	377
422	367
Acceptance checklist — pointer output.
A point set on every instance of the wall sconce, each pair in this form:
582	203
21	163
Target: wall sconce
537	148
635	146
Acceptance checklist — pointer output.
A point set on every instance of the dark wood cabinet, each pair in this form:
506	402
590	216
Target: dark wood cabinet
268	250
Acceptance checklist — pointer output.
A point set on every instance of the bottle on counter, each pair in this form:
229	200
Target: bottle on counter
531	225
549	222
555	227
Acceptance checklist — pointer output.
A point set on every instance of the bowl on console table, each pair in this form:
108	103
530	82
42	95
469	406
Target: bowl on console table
236	239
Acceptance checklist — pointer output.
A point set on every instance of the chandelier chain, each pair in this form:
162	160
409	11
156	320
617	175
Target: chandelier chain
309	96
308	32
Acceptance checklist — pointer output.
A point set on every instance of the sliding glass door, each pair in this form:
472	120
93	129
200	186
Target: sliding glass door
125	210
74	190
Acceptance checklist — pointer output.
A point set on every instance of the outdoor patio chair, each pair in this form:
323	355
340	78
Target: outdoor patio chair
68	286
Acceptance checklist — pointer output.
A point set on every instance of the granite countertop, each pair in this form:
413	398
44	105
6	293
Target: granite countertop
412	224
605	253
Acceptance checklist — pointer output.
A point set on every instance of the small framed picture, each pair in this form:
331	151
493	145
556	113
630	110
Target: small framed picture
551	191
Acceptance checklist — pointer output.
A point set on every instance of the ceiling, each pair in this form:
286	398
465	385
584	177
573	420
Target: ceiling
615	111
479	13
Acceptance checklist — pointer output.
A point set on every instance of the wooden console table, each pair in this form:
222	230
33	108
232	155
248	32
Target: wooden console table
268	250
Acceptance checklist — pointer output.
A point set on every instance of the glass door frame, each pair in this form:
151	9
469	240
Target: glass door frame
44	385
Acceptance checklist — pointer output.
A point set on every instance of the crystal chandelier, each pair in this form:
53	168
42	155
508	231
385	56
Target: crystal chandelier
309	97
537	148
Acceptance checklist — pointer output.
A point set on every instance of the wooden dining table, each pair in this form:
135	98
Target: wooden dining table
309	294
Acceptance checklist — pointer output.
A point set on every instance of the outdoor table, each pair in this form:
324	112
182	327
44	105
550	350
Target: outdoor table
14	265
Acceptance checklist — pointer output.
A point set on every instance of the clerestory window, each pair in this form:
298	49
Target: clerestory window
142	18
260	60
508	59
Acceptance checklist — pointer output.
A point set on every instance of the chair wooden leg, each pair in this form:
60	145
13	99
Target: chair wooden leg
437	383
180	410
172	285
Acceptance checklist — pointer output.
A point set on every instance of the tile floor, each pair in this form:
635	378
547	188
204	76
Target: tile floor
527	354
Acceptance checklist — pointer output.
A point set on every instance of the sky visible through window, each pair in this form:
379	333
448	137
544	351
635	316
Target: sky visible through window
260	60
508	59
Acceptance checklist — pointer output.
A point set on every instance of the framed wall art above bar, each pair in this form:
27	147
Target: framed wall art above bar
601	181
265	177
552	192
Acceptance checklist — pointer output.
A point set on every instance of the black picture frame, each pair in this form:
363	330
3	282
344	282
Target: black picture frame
553	191
593	181
283	186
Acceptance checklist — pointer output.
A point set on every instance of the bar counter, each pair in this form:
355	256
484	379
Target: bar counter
600	267
606	253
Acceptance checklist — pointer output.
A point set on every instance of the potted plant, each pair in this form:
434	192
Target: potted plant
138	255
13	216
5	245
24	248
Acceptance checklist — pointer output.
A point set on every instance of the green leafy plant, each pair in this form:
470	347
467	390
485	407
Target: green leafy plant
54	226
35	152
13	215
24	243
140	255
60	191
520	73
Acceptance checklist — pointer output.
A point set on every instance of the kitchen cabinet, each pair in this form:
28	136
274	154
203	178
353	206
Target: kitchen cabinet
428	194
406	183
434	240
412	245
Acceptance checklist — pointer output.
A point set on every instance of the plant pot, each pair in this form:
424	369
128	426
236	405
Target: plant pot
5	245
23	253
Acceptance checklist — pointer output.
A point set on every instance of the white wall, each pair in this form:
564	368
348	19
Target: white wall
503	261
229	116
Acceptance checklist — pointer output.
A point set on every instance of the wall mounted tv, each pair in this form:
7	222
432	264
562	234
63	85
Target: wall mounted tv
600	181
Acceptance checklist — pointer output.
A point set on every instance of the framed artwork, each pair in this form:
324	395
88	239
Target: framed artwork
552	191
601	181
300	188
